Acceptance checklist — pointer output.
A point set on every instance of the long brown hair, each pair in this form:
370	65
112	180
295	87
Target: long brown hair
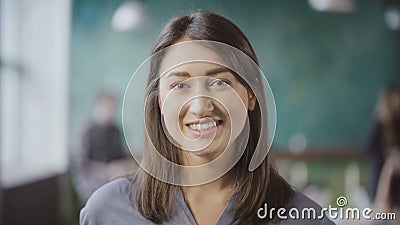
156	199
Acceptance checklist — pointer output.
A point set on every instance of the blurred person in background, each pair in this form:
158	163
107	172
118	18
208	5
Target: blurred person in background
100	154
383	149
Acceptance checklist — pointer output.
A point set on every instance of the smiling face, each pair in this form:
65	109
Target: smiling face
203	104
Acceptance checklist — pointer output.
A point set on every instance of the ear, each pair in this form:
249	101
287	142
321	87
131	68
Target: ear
252	101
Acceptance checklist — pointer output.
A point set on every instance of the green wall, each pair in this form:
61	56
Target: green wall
325	69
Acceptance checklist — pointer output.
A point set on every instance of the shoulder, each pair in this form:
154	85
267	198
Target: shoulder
112	204
299	200
116	191
303	210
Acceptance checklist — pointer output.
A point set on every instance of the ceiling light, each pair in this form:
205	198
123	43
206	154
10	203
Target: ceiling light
337	6
129	16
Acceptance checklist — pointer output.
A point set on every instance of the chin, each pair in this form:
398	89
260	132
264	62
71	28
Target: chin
210	152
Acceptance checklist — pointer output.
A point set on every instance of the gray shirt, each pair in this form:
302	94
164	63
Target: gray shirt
111	205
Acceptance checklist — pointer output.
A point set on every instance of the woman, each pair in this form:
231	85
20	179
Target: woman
204	105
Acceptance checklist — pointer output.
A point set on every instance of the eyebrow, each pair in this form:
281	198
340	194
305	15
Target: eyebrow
211	72
217	71
178	74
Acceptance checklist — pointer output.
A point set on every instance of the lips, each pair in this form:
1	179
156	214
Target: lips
204	124
204	127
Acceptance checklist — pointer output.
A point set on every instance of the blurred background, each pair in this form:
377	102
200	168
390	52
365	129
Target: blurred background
65	65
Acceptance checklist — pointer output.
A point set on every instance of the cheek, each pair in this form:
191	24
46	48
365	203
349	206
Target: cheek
235	104
170	106
237	113
241	92
242	95
169	103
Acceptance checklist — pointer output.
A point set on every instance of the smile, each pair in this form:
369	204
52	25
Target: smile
203	128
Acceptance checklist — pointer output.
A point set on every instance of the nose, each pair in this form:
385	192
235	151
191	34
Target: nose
201	106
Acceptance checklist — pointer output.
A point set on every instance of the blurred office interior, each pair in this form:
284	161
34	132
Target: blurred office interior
325	60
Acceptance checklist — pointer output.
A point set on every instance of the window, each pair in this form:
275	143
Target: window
34	50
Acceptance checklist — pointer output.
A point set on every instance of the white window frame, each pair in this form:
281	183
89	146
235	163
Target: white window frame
34	50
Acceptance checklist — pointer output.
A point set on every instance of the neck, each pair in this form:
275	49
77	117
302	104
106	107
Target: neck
224	185
210	169
203	156
192	159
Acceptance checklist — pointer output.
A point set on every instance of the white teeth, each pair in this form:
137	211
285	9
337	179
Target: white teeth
203	126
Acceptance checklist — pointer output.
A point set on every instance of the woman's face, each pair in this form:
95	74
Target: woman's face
203	105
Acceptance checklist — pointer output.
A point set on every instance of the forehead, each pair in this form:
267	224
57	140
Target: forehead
190	56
